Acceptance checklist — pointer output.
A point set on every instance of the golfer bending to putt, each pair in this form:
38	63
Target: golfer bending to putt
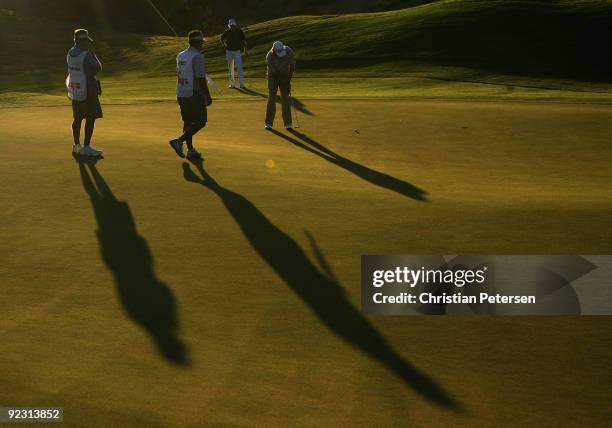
83	90
281	65
192	94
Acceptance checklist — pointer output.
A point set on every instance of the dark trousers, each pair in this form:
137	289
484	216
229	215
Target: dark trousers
274	83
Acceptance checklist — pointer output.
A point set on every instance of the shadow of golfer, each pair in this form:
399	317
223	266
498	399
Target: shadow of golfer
372	176
251	92
299	105
147	301
320	292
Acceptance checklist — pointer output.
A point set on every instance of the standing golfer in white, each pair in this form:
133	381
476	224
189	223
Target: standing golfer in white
234	41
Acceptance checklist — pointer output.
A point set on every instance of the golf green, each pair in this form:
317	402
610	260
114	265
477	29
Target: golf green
144	291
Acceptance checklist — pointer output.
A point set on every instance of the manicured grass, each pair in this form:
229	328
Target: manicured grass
101	292
162	89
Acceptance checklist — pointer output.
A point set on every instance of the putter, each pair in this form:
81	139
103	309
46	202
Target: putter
297	120
212	83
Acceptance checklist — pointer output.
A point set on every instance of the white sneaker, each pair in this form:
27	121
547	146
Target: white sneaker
289	127
231	86
76	149
90	151
268	126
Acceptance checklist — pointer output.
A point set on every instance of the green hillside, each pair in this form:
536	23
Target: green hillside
558	44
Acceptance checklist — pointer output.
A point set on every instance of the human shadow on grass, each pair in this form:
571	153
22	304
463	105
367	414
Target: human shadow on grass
147	301
299	105
372	176
320	291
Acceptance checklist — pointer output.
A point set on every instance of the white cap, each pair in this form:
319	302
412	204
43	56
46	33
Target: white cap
279	48
231	22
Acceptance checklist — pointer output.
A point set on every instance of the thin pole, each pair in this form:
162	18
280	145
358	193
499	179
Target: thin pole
162	17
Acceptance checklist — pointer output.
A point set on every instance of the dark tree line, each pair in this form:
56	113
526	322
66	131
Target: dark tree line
137	16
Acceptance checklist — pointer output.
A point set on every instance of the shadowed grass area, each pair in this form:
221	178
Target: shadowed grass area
146	300
371	176
322	294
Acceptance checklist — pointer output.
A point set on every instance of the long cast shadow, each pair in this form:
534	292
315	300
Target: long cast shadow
299	105
322	293
147	301
372	176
